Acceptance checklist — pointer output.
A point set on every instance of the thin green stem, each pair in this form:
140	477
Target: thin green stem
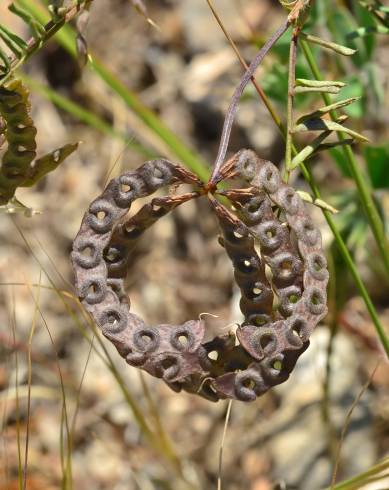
289	120
365	195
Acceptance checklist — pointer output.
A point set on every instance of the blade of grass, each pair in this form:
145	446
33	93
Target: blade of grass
17	404
347	423
66	38
289	119
67	469
153	409
220	466
29	382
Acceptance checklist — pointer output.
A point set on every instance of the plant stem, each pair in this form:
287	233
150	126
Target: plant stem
360	180
291	85
233	107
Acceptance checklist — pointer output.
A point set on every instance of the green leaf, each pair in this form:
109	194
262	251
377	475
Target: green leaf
36	27
377	161
325	89
16	44
48	163
324	125
337	48
308	150
319	83
328	108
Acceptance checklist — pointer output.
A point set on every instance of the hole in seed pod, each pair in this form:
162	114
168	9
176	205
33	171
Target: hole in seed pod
266	340
286	266
213	355
245	266
56	156
112	255
298	327
259	320
87	252
318	263
101	215
257	291
21	126
21	148
157	210
146	338
113	318
253	208
168	362
308	227
270	233
293	298
131	231
92	289
249	383
316	299
269	175
277	365
183	340
158	173
125	187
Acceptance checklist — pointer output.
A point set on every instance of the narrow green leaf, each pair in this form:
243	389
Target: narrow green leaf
324	125
324	90
319	83
305	196
36	27
308	150
334	144
345	51
48	163
4	58
16	44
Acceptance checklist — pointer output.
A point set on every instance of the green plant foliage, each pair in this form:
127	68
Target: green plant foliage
377	161
14	50
18	167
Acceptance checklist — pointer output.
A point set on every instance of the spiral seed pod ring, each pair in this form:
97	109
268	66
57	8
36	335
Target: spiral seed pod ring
279	314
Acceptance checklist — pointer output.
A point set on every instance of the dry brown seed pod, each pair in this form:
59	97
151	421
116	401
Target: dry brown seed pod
271	340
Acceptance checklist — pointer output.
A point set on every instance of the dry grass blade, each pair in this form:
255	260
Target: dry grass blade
347	423
220	467
29	382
